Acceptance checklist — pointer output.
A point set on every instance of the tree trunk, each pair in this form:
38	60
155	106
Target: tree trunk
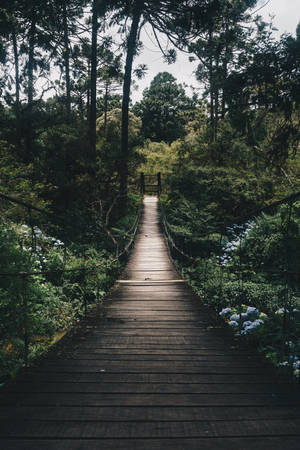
225	72
88	92
211	90
67	58
216	98
30	91
211	106
31	60
17	71
131	48
93	98
105	107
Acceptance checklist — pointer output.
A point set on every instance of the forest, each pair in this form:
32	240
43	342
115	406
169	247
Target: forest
73	146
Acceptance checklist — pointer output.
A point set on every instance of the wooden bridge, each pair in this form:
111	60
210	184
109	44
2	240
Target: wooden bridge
154	373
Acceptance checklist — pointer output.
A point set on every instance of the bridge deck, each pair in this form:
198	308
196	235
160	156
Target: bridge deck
154	374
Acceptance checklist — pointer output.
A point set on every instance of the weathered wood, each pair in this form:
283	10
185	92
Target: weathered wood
151	388
148	413
161	399
216	443
107	377
154	373
195	429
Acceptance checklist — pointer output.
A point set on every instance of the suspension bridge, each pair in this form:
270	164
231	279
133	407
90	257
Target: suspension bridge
154	372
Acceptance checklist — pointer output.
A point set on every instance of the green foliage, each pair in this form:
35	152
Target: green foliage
109	127
254	265
273	242
45	288
224	193
158	157
163	109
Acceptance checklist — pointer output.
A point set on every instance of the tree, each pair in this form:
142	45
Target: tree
67	13
179	21
163	109
216	49
266	92
109	143
109	130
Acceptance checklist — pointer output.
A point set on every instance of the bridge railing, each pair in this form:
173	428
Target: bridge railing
216	261
16	323
150	184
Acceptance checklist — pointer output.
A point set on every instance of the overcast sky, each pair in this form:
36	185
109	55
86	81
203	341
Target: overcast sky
286	17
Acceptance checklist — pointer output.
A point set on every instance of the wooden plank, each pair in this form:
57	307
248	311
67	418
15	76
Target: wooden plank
151	388
147	283
150	366
94	356
211	341
131	323
192	429
217	443
153	332
106	377
162	399
148	413
160	352
148	303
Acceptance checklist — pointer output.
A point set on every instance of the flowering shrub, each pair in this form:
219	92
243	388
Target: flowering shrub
53	297
256	263
267	329
246	319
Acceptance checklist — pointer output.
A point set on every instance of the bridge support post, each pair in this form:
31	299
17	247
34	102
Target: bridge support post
159	184
142	183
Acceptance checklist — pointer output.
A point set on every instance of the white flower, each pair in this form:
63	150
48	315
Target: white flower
257	322
37	232
233	323
252	311
250	326
296	365
235	318
224	311
282	311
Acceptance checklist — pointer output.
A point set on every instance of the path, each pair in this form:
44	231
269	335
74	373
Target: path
153	375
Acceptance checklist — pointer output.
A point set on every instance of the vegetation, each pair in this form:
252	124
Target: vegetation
248	273
47	284
72	146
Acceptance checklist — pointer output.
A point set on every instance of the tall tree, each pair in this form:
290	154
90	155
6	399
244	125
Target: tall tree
179	21
131	50
99	9
163	107
66	41
216	49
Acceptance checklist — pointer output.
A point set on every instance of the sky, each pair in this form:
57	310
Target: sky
286	17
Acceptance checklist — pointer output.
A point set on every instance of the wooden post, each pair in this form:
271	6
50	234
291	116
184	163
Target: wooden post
159	184
142	183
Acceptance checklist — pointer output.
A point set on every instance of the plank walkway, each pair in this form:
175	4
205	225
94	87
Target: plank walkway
154	374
